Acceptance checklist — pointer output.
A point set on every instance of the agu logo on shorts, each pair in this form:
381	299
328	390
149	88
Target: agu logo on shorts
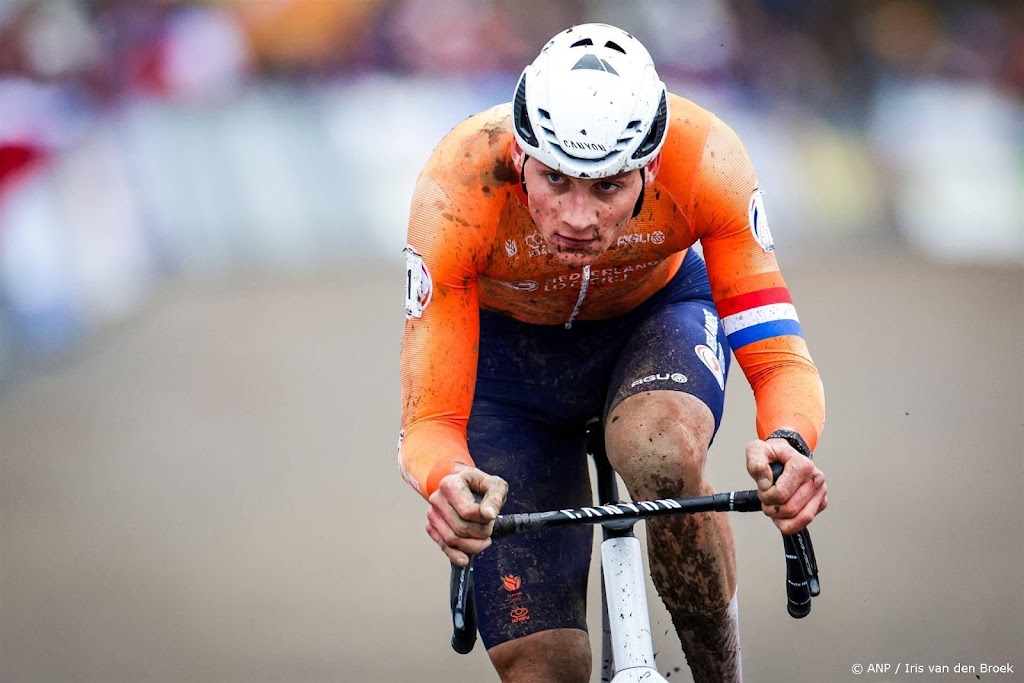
660	377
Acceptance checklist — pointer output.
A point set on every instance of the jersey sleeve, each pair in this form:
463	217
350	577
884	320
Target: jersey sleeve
750	294
440	342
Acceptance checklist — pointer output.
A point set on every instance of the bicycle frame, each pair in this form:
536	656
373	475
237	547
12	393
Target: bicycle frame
627	654
624	598
627	651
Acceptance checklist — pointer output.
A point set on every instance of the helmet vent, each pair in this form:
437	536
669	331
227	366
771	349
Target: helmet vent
614	46
521	118
592	61
582	42
657	131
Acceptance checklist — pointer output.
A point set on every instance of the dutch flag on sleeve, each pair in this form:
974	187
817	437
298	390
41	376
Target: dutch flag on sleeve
765	313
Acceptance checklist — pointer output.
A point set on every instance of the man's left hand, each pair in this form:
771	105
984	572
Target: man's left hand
799	494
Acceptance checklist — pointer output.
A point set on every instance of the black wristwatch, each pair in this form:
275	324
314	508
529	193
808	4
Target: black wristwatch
794	439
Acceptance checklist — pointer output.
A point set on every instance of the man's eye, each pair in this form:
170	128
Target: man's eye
607	186
554	177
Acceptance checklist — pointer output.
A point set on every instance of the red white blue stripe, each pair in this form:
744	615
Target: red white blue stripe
754	316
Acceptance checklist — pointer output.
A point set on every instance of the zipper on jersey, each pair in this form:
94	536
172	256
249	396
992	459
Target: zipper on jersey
579	301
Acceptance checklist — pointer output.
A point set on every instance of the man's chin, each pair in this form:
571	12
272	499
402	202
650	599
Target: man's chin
576	259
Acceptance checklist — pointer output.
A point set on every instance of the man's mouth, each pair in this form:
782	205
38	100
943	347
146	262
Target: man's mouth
572	243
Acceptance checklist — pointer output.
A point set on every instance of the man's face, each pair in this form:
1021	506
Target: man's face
579	218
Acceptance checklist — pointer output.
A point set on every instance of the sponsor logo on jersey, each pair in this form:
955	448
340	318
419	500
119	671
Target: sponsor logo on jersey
419	287
511	248
511	582
762	314
660	377
522	285
536	245
656	237
759	222
598	278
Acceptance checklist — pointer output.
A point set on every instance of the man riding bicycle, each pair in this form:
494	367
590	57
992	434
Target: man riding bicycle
550	279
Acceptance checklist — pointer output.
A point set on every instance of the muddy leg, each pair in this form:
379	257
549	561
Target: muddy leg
657	442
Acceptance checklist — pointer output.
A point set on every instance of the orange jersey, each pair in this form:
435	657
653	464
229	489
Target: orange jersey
473	245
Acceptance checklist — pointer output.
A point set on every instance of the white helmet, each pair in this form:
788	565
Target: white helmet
591	105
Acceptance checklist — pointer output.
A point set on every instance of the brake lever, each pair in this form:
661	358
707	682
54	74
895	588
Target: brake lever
802	582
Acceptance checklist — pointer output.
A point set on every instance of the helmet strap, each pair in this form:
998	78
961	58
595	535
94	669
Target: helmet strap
640	199
522	176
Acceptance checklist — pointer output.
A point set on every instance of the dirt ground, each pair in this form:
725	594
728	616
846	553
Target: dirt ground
210	492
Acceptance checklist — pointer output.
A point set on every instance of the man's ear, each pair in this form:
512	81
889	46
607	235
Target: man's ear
652	168
519	162
517	154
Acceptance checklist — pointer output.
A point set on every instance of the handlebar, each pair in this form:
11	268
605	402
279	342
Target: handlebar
802	582
733	501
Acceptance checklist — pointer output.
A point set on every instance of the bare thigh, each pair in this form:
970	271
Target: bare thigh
554	656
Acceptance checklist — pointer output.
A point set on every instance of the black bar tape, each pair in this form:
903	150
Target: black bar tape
802	581
463	608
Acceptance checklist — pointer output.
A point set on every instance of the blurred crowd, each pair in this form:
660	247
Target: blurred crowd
885	103
830	54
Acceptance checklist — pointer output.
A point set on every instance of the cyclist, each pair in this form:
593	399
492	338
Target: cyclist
550	278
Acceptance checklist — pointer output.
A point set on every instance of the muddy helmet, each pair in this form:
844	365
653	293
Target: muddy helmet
591	104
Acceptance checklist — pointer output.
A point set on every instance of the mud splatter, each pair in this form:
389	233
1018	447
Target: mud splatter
503	171
711	644
454	218
692	567
494	135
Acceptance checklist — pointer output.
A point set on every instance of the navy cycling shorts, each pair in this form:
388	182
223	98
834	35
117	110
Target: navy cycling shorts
537	386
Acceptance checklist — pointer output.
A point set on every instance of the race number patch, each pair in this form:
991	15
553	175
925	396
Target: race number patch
759	222
418	286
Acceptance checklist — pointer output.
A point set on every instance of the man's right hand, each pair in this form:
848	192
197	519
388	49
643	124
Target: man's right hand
456	521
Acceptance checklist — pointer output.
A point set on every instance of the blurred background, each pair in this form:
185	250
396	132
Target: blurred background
202	211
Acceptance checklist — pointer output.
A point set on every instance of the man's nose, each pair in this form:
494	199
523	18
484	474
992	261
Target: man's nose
577	212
